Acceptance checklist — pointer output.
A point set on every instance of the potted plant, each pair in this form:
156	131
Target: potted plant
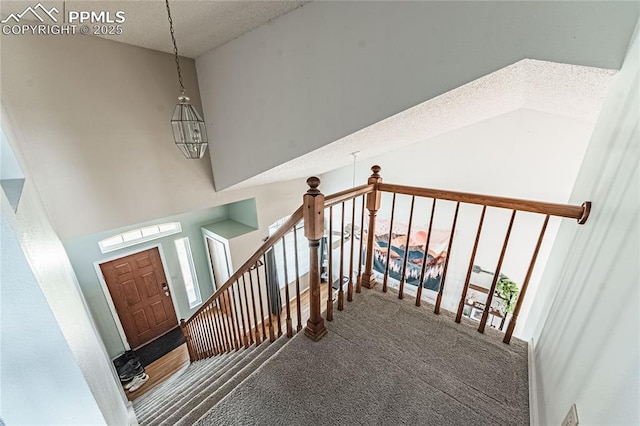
508	291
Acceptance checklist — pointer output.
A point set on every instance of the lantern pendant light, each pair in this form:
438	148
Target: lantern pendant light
189	130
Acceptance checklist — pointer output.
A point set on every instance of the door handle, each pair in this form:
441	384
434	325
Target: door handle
165	287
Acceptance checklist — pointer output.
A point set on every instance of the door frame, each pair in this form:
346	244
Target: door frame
212	235
107	294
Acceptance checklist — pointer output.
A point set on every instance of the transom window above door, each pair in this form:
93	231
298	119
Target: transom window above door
140	235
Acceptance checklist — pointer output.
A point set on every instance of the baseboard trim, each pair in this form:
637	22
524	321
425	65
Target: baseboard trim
533	388
133	420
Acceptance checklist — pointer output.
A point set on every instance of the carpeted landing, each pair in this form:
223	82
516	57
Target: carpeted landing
383	362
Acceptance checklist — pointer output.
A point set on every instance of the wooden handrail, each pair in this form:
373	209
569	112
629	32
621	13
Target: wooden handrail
580	213
333	199
282	230
348	194
210	331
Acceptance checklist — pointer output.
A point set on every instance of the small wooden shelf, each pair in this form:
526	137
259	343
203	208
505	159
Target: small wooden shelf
480	305
478	288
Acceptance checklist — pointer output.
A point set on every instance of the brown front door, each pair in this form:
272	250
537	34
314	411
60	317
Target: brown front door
140	293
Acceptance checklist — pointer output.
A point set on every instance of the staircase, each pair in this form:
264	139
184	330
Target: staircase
186	397
381	357
383	361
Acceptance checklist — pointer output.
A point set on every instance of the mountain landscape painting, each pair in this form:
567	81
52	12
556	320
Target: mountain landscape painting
392	244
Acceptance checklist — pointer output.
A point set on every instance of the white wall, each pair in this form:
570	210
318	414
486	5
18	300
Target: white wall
93	123
41	382
58	343
91	119
329	69
587	342
522	154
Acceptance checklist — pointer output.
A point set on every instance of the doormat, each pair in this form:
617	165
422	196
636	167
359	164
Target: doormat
160	347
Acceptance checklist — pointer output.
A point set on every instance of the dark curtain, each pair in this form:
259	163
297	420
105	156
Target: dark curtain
273	284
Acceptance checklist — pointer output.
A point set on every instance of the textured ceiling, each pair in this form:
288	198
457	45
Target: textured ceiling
570	91
199	25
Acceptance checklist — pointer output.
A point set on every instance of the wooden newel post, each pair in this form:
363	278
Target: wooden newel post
373	205
187	339
313	214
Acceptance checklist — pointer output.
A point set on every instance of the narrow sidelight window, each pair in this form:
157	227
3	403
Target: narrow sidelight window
188	271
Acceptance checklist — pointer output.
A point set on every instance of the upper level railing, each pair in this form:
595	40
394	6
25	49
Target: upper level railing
252	306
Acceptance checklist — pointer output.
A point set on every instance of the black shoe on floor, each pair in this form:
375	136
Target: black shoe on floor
124	358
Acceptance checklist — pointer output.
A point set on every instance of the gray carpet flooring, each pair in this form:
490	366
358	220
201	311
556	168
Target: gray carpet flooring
385	362
184	398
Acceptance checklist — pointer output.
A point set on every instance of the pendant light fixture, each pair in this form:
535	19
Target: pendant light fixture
189	130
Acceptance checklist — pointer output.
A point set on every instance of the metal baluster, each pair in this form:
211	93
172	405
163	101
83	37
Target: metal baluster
353	241
222	319
233	335
277	297
272	336
264	332
286	288
250	328
341	273
240	316
197	337
330	268
216	328
259	337
211	341
358	281
295	246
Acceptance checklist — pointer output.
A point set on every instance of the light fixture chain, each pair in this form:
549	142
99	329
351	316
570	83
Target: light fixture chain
175	48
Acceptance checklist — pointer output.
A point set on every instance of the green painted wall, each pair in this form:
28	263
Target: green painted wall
244	212
84	253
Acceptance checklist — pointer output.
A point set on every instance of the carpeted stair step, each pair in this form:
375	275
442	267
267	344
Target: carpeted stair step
194	369
185	392
184	417
199	370
185	396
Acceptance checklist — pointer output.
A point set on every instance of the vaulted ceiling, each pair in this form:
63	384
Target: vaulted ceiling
199	25
299	85
293	98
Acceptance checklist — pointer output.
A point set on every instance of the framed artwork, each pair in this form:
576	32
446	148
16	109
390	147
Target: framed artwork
476	314
395	244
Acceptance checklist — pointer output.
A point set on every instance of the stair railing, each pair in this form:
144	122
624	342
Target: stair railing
234	316
515	206
250	307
